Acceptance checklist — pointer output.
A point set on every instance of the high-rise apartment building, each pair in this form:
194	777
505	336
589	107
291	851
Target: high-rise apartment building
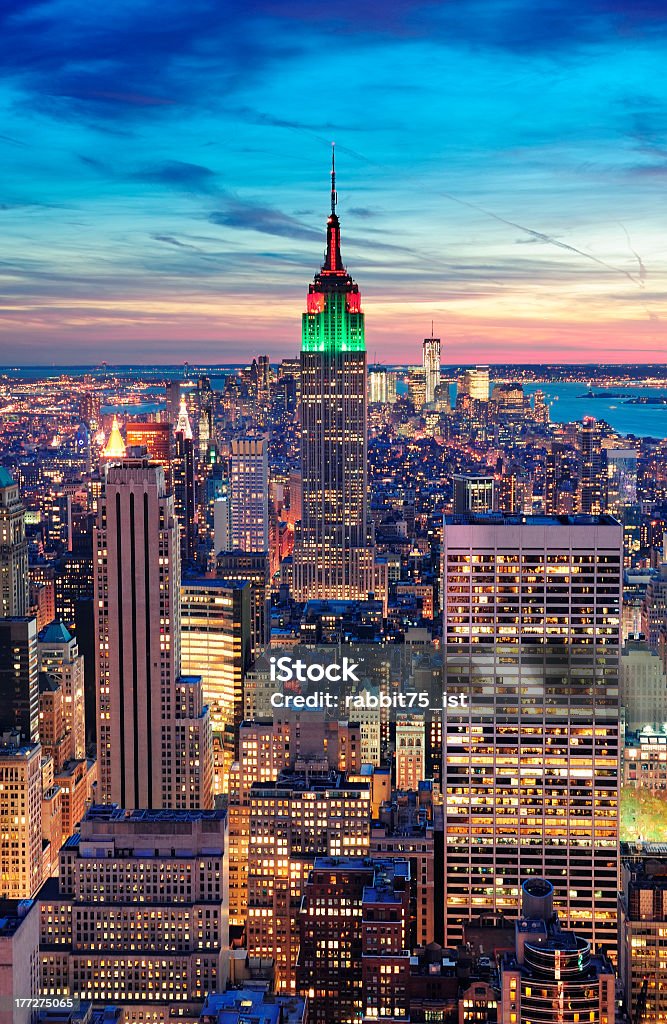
250	494
20	818
138	913
530	761
215	644
332	558
431	365
292	821
19	678
58	656
154	735
13	549
654	607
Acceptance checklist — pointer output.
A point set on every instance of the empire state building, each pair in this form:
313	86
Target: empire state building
332	555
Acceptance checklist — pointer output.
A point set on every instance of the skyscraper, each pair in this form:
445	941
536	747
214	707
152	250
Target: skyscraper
21	816
431	364
58	654
215	643
154	738
332	558
590	479
13	549
19	678
250	494
530	765
185	495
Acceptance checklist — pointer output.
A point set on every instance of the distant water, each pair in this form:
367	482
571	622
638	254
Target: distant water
567	401
566	404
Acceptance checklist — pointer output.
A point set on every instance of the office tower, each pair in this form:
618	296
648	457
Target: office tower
410	758
552	976
540	408
173	401
590	476
222	524
561	473
21	817
77	781
621	479
138	914
114	449
409	827
263	754
377	385
417	387
476	383
54	734
13	550
183	469
58	656
654	608
205	407
293	821
19	678
250	494
253	568
347	954
305	741
154	737
215	644
431	364
154	437
19	960
530	773
472	493
643	919
74	581
89	409
643	685
332	558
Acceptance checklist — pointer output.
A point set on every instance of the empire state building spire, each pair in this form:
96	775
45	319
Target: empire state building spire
332	555
333	263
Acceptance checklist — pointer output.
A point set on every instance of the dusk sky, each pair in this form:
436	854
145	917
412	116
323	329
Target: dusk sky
502	170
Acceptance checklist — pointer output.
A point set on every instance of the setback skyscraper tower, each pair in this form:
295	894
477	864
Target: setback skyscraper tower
332	556
154	734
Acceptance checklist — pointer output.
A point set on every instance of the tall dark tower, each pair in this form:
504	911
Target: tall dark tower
183	467
332	558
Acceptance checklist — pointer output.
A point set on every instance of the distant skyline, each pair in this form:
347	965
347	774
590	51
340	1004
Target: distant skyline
501	171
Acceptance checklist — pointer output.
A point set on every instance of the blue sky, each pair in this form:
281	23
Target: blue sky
501	170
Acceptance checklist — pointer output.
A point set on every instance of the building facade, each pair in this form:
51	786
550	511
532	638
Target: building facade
332	557
154	731
531	761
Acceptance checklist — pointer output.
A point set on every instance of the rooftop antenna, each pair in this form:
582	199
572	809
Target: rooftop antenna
334	195
431	328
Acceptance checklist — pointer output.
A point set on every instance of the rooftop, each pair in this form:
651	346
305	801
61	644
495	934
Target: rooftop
55	633
516	519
